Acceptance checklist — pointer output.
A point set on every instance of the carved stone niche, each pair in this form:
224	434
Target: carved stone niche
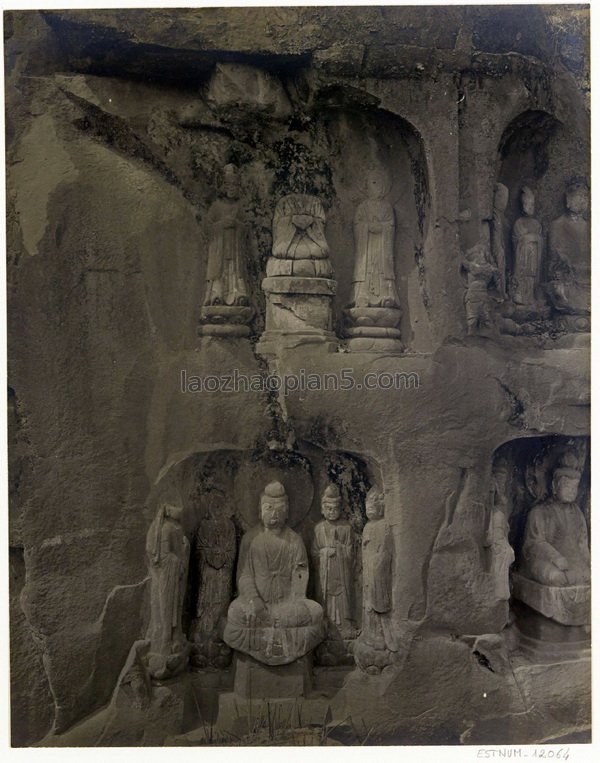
288	588
548	503
540	242
349	244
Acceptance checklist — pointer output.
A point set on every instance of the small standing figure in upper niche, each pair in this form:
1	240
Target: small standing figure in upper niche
481	274
527	247
168	552
501	552
333	551
498	235
376	644
215	546
374	282
227	247
299	244
569	243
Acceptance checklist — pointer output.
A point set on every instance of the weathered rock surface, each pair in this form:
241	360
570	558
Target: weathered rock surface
118	125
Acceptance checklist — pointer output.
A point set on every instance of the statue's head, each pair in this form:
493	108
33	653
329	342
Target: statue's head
377	183
331	503
274	506
500	196
577	196
230	181
527	201
173	510
566	478
374	505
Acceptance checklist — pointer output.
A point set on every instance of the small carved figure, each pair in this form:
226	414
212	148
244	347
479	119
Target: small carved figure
215	546
527	247
376	643
498	235
501	552
227	247
168	551
271	619
299	244
374	283
553	576
333	551
481	274
569	244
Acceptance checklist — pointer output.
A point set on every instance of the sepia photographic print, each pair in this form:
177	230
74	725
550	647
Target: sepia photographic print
298	329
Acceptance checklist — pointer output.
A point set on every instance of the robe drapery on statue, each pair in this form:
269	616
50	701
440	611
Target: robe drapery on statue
273	568
227	247
335	571
374	283
299	244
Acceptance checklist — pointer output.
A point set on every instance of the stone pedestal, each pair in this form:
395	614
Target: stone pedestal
264	692
373	329
541	638
565	605
225	320
298	311
253	680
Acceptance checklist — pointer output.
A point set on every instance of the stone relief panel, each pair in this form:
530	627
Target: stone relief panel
300	569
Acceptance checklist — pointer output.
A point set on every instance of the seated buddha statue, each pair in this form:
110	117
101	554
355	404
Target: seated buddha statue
553	576
271	619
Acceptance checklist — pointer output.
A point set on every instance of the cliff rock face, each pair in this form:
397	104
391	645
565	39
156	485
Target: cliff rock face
119	127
